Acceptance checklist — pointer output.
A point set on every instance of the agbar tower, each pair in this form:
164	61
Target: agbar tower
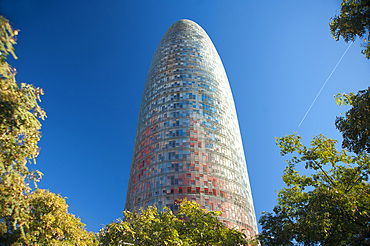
188	142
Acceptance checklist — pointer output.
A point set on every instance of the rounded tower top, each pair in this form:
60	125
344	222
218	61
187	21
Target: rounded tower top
182	33
185	22
185	26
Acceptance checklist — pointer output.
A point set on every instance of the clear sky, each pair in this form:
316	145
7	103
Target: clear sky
92	56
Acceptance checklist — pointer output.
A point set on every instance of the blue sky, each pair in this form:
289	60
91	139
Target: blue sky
91	58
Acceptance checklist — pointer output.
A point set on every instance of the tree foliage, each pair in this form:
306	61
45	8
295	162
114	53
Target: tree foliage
27	218
353	21
191	225
19	135
355	125
328	206
51	224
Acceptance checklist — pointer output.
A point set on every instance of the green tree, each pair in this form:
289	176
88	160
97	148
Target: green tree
353	21
51	224
19	135
27	218
145	227
328	206
355	125
191	225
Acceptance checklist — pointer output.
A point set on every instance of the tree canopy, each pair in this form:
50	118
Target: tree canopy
27	218
327	206
191	225
51	224
353	21
19	135
355	125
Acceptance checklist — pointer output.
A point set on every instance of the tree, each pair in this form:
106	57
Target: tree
190	226
328	206
27	218
146	227
19	135
353	21
355	126
51	224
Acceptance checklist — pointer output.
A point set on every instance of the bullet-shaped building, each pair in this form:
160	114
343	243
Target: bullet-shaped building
188	142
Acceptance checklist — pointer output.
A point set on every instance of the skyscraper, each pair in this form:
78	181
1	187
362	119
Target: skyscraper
188	142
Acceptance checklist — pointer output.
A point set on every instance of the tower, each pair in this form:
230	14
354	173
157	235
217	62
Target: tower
188	142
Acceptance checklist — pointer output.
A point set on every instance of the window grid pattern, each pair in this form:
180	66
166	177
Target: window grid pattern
188	142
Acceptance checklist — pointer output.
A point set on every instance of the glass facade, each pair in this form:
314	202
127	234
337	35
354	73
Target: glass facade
188	142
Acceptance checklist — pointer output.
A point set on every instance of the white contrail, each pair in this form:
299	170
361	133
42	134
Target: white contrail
318	94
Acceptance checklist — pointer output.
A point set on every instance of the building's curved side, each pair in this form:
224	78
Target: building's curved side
188	141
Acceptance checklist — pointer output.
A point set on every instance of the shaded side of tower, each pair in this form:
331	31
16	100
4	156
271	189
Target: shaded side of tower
188	142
